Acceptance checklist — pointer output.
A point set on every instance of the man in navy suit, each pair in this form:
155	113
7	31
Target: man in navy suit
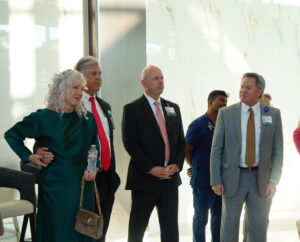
108	180
153	137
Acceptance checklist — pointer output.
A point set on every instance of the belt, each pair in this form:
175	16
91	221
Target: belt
253	168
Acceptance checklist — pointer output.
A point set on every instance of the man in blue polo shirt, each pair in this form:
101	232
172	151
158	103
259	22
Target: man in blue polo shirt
197	153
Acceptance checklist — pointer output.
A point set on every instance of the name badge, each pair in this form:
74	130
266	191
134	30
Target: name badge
266	119
170	111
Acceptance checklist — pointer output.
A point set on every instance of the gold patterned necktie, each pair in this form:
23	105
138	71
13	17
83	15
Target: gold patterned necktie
250	140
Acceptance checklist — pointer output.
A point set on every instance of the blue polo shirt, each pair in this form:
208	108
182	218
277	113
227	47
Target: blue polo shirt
200	134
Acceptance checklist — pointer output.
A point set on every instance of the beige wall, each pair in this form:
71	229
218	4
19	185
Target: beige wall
207	45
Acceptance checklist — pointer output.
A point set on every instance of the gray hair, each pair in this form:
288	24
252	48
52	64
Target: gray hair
259	80
61	86
84	62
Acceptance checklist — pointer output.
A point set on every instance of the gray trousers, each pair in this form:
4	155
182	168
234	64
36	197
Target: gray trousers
257	210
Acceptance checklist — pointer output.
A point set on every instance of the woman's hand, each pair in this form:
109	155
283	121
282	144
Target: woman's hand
88	176
36	159
47	156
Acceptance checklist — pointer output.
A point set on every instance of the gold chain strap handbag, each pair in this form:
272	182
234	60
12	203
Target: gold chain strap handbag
87	222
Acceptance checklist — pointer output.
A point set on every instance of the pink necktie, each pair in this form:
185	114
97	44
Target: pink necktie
105	151
162	126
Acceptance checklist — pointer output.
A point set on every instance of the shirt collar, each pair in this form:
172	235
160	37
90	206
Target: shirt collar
255	108
87	96
151	100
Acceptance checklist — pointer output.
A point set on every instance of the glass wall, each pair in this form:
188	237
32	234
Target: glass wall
37	38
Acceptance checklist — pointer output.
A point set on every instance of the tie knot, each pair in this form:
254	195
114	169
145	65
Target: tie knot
156	103
92	99
250	111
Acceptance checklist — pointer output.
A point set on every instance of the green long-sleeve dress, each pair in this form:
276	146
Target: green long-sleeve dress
69	138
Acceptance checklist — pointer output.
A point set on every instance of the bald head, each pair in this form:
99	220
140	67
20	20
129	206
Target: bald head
148	69
152	80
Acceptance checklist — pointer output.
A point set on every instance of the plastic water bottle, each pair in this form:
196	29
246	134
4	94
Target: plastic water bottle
92	159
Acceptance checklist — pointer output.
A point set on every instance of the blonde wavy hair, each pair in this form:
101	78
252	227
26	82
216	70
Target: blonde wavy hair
61	87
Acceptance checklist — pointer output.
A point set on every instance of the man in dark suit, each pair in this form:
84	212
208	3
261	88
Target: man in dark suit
246	161
153	137
107	179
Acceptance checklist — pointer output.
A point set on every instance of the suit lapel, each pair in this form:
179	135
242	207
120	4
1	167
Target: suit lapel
167	118
262	126
237	120
149	114
105	110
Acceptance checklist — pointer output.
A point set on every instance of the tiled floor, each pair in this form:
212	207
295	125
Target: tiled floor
282	225
284	213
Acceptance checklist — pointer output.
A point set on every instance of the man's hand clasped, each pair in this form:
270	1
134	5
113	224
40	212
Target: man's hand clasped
164	172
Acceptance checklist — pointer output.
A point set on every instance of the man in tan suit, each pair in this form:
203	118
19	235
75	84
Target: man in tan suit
246	161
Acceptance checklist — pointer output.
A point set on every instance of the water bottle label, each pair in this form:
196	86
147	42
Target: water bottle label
92	159
92	155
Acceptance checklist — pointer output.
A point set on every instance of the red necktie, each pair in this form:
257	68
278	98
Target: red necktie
162	126
105	151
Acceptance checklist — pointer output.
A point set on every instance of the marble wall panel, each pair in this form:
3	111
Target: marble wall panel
203	45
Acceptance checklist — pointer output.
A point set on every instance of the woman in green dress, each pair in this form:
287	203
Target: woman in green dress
69	131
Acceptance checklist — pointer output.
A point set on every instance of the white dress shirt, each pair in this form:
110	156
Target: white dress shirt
257	122
87	104
153	107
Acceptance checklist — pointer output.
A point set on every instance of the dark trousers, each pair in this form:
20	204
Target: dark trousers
106	200
204	200
143	203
